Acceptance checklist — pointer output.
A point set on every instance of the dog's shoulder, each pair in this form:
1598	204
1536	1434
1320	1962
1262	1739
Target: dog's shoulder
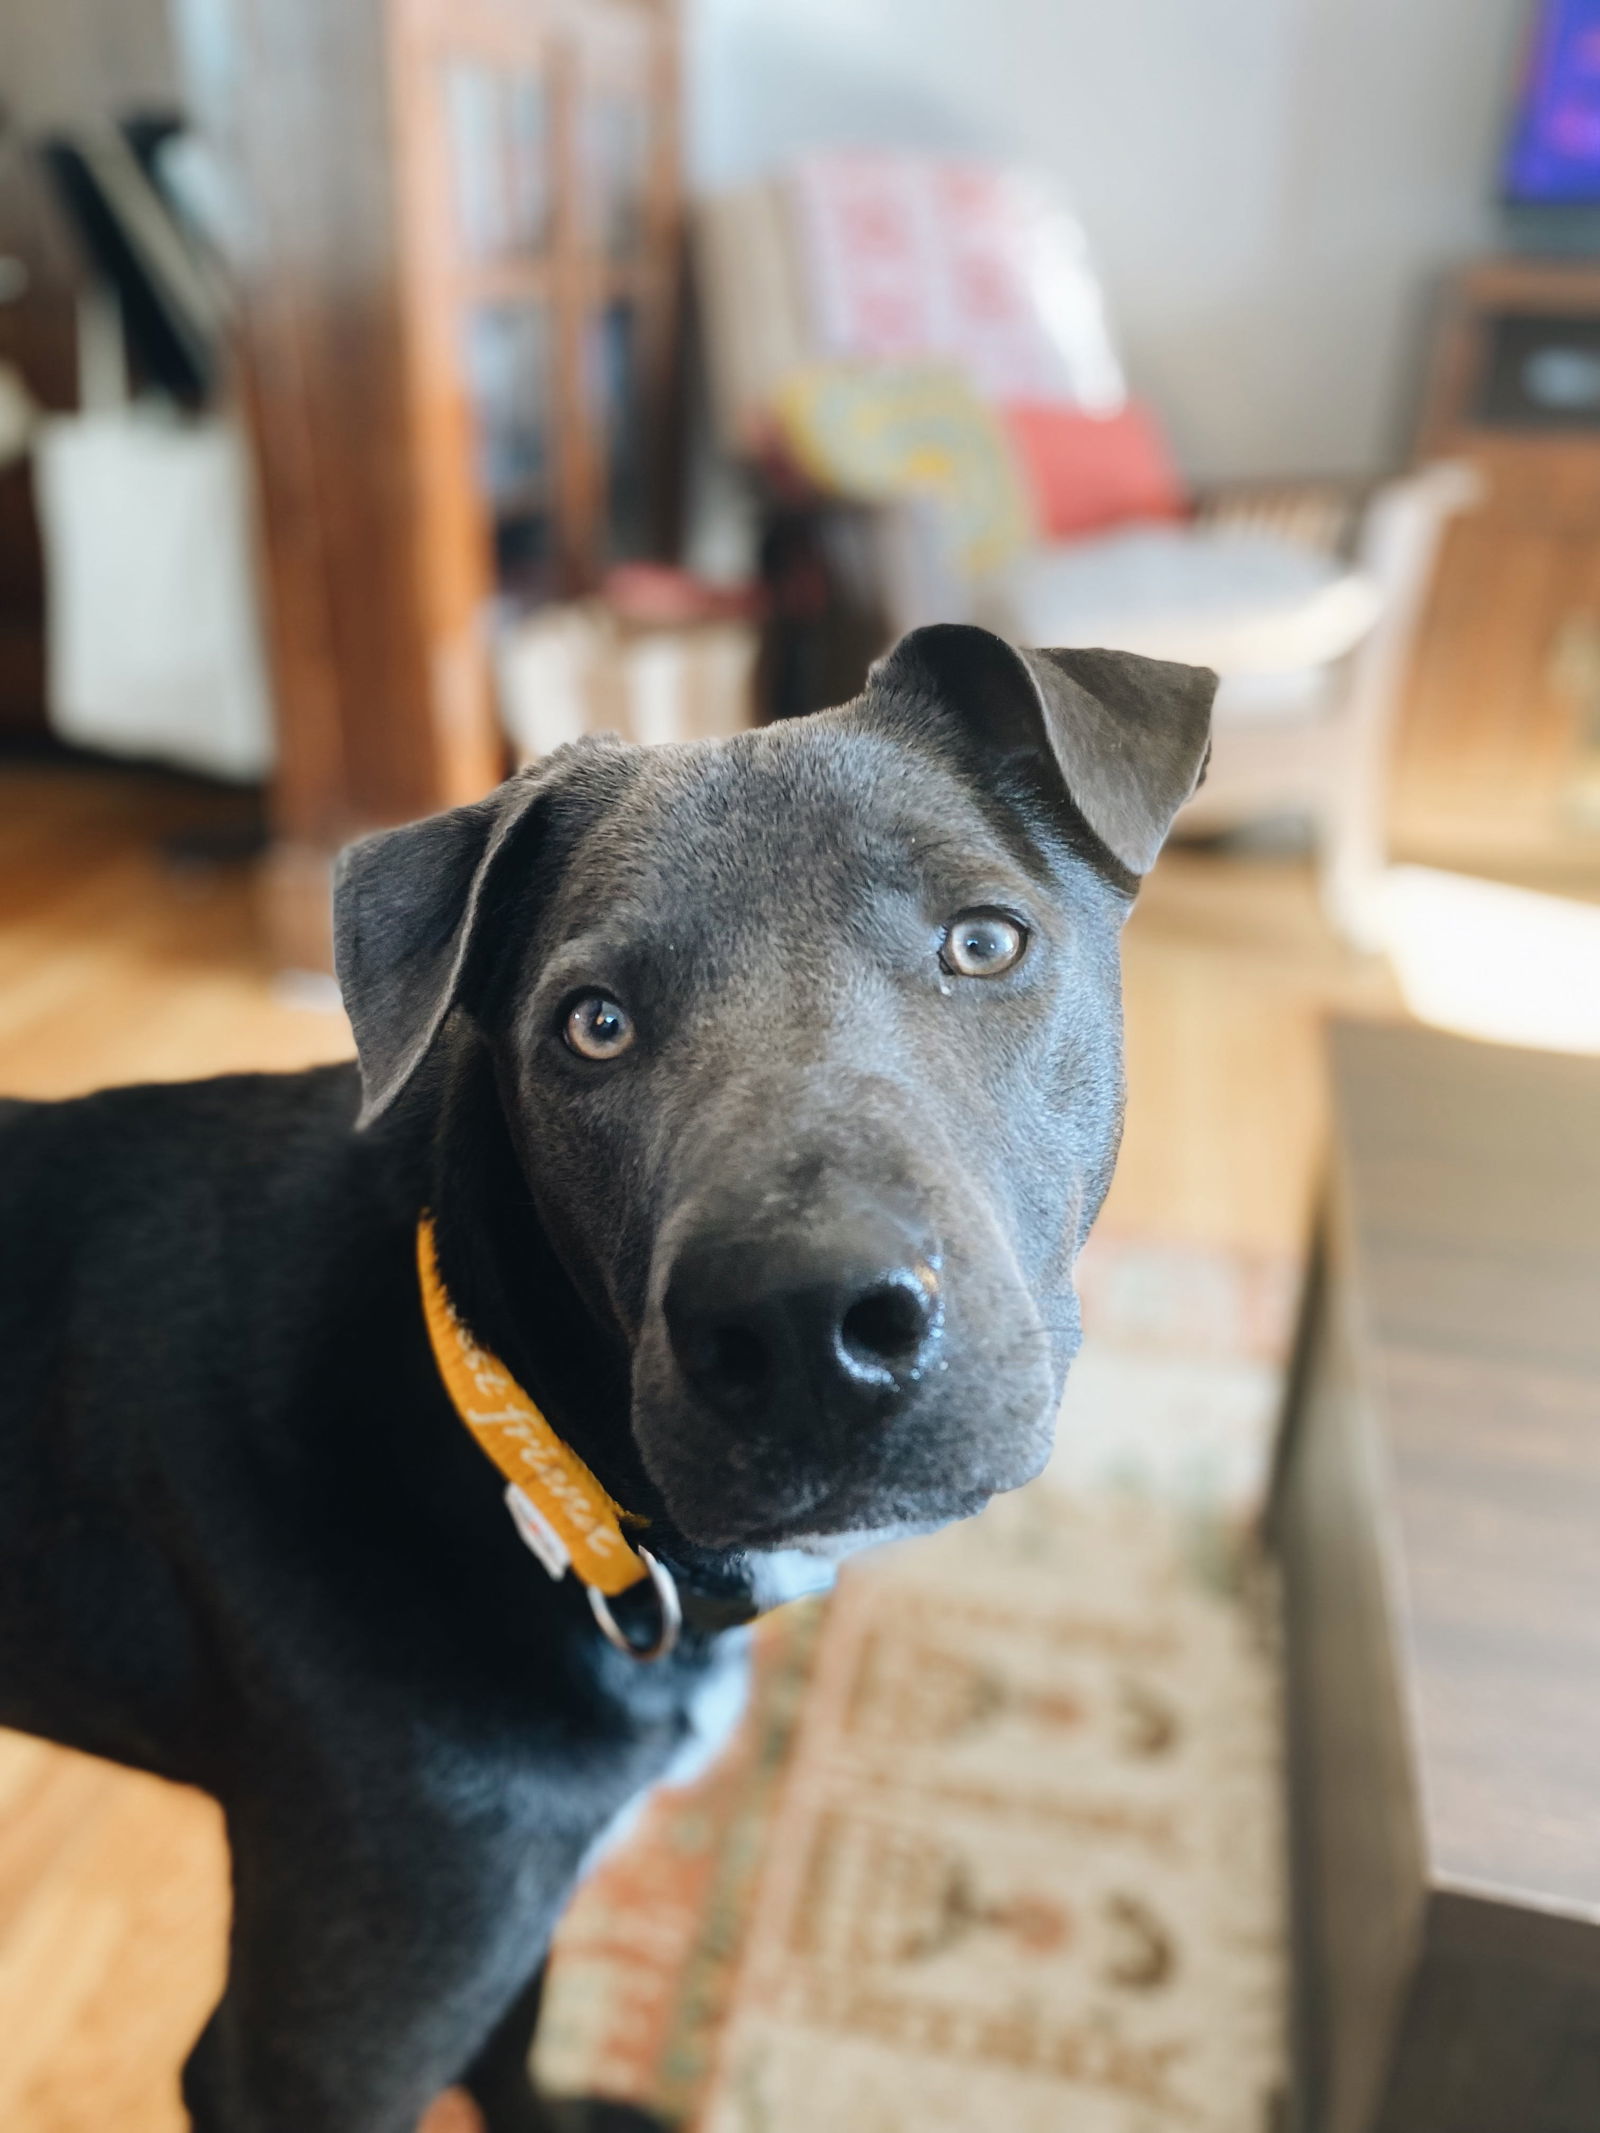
115	1145
154	1193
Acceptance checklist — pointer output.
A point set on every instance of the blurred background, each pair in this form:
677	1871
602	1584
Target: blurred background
391	390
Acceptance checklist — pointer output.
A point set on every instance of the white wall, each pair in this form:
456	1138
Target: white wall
1272	187
64	61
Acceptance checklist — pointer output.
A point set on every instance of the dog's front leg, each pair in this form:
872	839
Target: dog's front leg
373	1955
500	2084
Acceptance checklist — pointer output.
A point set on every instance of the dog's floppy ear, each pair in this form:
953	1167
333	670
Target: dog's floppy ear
406	904
1127	737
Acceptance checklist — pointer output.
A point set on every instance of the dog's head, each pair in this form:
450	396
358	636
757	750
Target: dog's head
809	1045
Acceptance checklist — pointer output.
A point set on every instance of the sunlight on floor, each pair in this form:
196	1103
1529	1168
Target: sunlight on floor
1488	960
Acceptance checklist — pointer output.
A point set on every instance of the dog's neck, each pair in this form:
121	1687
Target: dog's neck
510	1284
512	1288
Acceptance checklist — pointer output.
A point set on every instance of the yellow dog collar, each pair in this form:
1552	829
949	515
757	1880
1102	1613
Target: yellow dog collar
561	1511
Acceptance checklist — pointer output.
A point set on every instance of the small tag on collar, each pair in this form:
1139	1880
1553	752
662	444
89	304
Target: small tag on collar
540	1537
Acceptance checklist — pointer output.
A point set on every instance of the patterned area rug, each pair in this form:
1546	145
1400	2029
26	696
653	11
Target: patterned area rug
998	1844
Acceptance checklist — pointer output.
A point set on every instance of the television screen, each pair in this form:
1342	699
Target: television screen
1554	154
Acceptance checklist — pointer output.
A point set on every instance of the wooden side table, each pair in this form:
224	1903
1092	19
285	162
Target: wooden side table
1438	1516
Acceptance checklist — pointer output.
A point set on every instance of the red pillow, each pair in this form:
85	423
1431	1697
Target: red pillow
1088	472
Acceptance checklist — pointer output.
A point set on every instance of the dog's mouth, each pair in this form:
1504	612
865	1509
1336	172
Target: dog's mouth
814	1491
832	1532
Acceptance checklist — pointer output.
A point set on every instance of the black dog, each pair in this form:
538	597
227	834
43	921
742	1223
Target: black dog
761	1093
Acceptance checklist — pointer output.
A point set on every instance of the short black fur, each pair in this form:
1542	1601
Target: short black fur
244	1540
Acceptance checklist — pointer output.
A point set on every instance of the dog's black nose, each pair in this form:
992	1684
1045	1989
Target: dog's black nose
844	1323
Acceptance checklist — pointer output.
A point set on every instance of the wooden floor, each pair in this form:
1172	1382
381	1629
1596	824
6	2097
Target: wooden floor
116	966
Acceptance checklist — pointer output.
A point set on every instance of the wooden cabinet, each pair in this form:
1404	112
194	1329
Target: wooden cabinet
537	158
458	334
1499	754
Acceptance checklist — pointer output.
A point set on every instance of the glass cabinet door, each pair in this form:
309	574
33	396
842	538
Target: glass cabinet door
629	216
497	87
507	359
498	123
617	395
617	146
543	281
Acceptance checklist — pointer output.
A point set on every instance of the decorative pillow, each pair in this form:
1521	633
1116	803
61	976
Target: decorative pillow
1090	472
916	258
882	433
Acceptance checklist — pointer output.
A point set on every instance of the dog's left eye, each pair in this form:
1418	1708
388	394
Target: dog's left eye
598	1027
982	944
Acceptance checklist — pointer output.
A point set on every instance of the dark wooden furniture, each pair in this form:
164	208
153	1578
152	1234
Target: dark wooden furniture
1498	762
1438	1515
458	339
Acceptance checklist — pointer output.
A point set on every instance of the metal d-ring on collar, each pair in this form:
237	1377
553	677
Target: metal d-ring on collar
665	1588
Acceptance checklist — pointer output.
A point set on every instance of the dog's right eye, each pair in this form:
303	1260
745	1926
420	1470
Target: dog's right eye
982	944
598	1027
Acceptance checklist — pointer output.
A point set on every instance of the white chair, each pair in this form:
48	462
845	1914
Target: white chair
1312	650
